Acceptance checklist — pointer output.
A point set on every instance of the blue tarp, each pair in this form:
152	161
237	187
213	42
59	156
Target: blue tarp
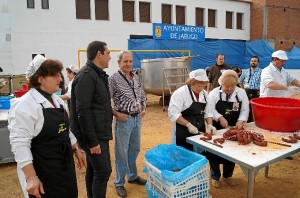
258	48
237	53
294	59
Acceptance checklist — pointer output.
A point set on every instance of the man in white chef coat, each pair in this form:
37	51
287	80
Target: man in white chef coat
275	80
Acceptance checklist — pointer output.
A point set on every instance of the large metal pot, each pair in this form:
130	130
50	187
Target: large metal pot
156	73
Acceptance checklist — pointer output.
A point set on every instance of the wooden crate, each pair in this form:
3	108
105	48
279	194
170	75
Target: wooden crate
6	89
17	81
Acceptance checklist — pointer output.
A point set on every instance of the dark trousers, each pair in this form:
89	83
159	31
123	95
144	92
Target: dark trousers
215	161
251	93
98	171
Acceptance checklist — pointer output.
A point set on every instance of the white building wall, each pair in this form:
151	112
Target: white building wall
5	36
58	34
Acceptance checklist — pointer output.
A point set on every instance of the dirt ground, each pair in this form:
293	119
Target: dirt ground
283	180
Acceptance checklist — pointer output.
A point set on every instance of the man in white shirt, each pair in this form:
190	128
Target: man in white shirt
72	70
275	80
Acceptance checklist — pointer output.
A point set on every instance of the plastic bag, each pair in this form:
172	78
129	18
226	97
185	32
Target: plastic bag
174	162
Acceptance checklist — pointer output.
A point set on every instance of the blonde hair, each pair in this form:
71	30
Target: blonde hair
228	77
192	81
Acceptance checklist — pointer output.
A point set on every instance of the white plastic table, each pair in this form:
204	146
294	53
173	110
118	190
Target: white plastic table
251	158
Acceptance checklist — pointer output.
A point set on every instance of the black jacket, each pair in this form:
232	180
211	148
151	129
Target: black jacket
90	110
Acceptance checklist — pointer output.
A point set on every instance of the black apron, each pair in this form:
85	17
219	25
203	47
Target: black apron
195	115
53	156
251	93
224	108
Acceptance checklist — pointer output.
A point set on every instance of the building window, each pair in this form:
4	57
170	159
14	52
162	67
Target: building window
199	17
239	21
128	11
30	3
180	15
45	4
211	18
229	16
101	10
166	13
145	12
83	10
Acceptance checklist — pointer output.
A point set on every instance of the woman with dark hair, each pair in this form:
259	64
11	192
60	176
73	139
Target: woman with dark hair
39	135
187	109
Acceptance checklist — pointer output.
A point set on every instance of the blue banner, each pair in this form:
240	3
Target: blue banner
178	32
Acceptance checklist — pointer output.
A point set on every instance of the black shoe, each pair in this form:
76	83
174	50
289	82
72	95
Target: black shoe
121	191
139	181
289	158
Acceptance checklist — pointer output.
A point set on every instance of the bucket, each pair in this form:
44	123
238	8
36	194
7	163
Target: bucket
20	93
25	87
276	114
5	102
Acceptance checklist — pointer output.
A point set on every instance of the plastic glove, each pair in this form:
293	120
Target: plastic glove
192	129
211	129
293	90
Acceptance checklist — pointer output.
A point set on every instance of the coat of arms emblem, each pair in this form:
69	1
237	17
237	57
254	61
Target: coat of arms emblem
158	31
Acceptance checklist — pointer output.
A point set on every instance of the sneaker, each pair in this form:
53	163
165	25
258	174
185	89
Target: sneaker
121	191
139	181
229	181
215	183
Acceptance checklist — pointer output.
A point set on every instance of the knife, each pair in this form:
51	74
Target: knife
218	145
281	144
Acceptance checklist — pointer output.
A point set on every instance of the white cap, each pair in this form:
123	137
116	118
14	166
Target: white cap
228	72
34	65
280	54
73	68
199	74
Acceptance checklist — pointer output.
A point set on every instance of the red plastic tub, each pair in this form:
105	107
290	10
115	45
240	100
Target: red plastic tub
277	114
20	93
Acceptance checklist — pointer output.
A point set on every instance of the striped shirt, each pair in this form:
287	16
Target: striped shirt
128	96
251	78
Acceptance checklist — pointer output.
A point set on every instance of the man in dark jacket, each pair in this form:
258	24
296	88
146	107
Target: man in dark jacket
216	71
91	117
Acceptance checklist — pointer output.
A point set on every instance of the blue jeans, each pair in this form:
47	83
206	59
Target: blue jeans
98	171
127	147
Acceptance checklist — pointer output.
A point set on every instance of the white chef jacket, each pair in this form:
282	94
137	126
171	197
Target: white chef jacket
180	101
272	74
69	89
214	97
25	121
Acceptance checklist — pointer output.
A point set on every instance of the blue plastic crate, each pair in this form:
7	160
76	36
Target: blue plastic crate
151	193
5	102
174	172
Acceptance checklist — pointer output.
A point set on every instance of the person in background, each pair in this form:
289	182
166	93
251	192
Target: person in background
238	70
250	81
216	71
228	105
275	80
72	70
91	117
129	108
187	109
40	137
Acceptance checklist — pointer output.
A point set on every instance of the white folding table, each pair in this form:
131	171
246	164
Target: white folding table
251	158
